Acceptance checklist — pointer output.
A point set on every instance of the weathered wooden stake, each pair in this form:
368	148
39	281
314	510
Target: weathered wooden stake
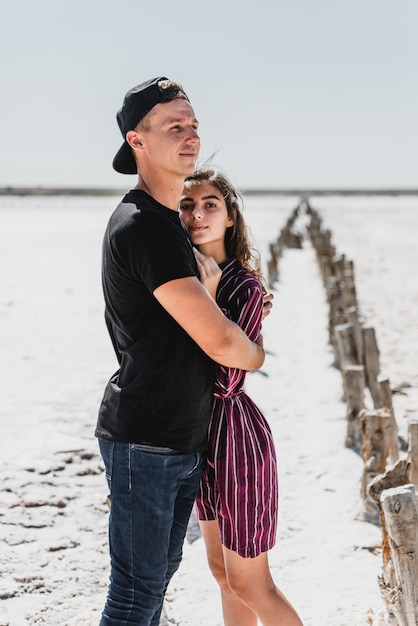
346	347
401	519
375	449
413	452
354	383
393	477
350	294
272	264
385	401
353	319
371	363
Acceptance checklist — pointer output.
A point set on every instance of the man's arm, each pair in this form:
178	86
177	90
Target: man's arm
188	302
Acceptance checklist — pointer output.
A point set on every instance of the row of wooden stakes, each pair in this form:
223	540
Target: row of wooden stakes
389	482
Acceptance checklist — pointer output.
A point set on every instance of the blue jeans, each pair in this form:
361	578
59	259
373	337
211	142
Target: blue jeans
152	491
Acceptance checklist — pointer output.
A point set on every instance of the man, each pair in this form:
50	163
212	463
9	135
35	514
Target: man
166	331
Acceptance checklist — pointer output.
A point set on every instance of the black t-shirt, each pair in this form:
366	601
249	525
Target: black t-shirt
163	391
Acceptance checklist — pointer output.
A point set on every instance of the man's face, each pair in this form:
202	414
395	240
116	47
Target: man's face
171	143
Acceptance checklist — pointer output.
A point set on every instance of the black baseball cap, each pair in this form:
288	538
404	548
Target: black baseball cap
137	103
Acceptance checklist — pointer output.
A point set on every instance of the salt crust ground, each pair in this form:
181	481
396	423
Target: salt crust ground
56	357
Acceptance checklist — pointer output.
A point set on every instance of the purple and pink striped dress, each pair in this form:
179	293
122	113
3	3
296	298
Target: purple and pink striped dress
239	484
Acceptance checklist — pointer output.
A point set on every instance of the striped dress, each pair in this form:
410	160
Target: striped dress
239	484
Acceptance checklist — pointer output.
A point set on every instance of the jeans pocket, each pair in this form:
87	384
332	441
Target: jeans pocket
148	447
198	463
107	450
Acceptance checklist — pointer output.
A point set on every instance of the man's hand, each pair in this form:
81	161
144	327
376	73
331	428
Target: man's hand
210	272
267	304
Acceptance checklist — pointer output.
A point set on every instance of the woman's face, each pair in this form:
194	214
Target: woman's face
204	213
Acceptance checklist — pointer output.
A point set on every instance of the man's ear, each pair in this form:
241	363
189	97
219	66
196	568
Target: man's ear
133	139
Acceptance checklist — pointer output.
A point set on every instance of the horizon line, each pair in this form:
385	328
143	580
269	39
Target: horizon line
11	190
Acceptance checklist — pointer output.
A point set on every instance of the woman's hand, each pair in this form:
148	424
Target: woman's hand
267	304
210	272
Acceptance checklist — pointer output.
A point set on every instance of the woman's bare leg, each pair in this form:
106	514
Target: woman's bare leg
235	612
251	581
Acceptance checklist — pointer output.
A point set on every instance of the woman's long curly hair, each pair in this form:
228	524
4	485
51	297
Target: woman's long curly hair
237	238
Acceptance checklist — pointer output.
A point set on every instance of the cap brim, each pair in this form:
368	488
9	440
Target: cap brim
124	161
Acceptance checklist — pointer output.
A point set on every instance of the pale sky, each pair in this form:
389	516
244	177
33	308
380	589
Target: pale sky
295	93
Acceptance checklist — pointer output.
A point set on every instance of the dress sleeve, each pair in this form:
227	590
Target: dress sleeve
246	306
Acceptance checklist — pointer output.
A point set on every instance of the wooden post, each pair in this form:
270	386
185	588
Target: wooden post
331	287
294	240
353	381
272	264
371	363
325	264
385	401
346	348
401	519
353	319
393	477
413	452
350	295
336	315
375	450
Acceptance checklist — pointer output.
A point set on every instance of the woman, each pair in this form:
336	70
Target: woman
237	498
